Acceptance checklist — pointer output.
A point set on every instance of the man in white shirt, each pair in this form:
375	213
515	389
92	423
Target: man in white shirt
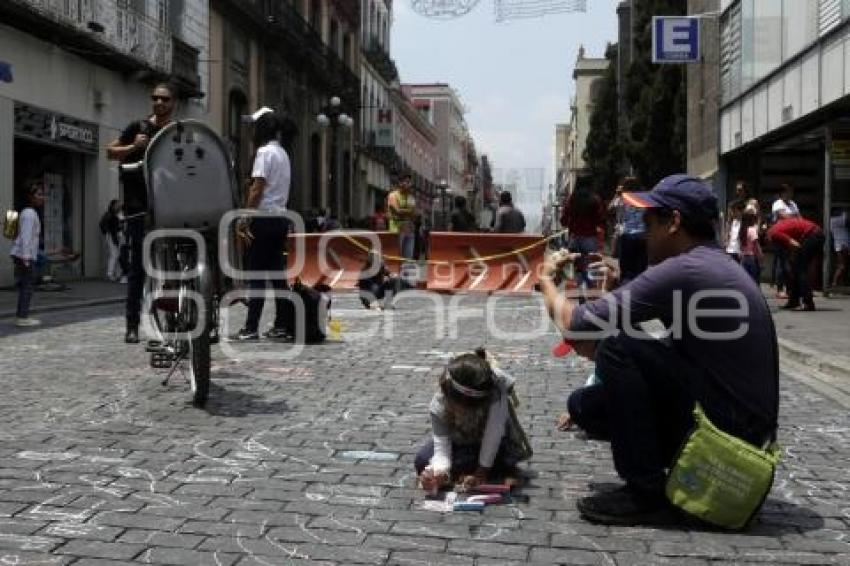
24	251
265	237
783	207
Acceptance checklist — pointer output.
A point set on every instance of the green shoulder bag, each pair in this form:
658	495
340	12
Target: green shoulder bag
719	478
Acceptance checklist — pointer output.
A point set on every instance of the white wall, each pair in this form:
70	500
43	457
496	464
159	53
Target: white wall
54	79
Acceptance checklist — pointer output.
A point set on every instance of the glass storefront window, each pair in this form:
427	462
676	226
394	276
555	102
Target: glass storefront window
747	44
799	26
767	48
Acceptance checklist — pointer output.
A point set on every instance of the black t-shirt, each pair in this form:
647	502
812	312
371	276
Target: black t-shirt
135	193
462	221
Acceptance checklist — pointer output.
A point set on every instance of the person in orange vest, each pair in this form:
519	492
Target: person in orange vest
402	211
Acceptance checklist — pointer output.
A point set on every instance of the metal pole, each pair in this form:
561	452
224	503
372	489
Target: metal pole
827	205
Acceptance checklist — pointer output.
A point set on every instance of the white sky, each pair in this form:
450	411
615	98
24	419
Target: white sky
514	78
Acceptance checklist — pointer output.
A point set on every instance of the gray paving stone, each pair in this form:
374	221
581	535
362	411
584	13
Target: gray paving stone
95	549
116	459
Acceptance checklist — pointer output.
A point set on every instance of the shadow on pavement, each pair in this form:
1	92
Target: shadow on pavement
232	402
56	319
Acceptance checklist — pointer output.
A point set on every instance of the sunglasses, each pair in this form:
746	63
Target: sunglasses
156	98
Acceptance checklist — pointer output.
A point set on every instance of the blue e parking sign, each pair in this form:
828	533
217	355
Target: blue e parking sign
675	39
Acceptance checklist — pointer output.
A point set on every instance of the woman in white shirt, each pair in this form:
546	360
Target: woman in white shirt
24	251
265	237
841	243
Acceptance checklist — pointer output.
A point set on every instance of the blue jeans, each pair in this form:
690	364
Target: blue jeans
405	245
752	266
25	282
584	245
780	267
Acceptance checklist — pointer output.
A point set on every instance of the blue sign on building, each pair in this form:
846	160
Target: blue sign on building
675	39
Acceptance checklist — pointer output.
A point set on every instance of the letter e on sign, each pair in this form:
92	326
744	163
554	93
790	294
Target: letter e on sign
675	39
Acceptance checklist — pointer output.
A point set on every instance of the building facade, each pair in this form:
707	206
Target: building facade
785	101
79	72
588	74
416	149
294	56
703	90
442	107
378	76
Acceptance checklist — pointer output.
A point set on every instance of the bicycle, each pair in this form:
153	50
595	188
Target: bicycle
191	185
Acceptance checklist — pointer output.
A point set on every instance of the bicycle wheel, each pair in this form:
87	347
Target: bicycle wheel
198	325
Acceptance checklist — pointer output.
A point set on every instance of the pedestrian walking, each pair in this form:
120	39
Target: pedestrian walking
650	386
25	251
130	148
631	244
509	219
476	435
783	207
110	227
265	236
733	229
803	242
461	219
838	227
583	216
750	248
378	222
401	205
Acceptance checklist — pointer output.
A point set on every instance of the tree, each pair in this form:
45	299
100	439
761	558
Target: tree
603	152
655	101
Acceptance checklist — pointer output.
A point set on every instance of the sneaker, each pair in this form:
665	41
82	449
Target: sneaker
27	322
809	307
627	507
279	334
246	335
123	280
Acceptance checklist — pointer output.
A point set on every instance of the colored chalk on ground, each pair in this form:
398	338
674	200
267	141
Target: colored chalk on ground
486	498
468	506
491	488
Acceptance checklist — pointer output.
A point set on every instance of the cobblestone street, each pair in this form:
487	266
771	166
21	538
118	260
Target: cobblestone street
309	460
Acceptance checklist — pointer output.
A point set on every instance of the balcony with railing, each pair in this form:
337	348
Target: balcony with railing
115	36
380	60
301	45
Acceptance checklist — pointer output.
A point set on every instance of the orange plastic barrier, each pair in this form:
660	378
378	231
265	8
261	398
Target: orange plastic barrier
484	262
337	258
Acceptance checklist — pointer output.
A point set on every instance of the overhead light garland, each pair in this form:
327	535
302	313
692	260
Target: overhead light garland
505	10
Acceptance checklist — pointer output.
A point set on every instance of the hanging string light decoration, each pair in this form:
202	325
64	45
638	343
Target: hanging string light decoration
507	10
443	9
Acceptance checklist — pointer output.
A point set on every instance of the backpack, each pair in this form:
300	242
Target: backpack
104	223
11	224
316	312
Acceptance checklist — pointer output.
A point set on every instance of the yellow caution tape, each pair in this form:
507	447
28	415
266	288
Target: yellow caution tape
483	259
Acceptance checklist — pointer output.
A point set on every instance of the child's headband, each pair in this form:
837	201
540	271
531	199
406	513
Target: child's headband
466	391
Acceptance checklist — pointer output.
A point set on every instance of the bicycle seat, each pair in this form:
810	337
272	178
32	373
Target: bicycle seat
189	177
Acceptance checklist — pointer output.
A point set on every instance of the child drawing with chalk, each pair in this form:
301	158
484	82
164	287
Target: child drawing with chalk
476	435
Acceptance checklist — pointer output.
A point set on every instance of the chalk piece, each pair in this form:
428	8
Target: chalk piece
369	455
468	506
491	488
486	498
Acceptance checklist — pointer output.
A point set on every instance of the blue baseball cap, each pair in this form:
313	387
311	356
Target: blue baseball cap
689	195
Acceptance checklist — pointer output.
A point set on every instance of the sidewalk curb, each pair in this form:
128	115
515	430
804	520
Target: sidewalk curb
838	366
827	374
71	305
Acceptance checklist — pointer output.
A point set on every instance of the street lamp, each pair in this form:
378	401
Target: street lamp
444	187
332	116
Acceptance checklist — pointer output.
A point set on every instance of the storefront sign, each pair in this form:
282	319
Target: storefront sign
57	129
384	132
675	39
